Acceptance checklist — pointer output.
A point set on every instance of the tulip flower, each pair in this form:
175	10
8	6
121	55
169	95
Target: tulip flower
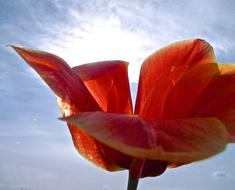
184	112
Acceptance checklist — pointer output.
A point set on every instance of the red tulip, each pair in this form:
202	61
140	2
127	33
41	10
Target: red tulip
184	112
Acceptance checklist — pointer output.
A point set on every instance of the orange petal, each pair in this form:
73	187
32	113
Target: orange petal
108	83
218	99
175	141
94	151
98	153
60	78
161	71
185	93
73	97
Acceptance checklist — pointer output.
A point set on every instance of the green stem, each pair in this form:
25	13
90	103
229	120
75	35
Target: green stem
132	184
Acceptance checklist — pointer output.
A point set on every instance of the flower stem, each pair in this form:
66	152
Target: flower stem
132	184
135	171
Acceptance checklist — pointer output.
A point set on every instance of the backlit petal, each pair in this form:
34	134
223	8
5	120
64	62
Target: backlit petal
185	93
98	153
218	99
60	78
108	83
94	151
176	141
73	97
161	71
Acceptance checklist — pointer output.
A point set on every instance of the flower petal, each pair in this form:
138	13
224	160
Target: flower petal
98	153
108	83
175	141
73	97
60	78
183	96
161	71
151	168
218	101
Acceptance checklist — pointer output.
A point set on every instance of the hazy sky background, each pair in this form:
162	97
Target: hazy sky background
36	151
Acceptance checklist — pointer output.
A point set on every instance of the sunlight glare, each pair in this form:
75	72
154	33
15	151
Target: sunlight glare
104	40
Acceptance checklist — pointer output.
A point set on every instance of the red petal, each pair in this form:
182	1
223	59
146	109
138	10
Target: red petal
93	150
185	93
218	99
60	77
74	97
175	141
136	168
98	153
150	168
153	168
108	83
161	71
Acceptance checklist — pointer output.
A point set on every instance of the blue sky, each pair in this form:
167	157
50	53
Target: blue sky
36	149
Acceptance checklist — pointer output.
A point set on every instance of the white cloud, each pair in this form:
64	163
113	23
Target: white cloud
103	39
88	31
112	30
220	175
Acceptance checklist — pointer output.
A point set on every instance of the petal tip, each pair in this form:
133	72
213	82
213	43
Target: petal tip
23	51
70	119
15	47
61	118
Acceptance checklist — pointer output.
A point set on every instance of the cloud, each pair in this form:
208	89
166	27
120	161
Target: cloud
103	39
111	30
220	175
87	31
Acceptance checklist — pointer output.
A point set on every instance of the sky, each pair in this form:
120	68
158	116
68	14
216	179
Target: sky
36	150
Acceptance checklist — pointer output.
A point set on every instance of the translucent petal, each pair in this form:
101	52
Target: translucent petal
175	141
161	71
73	97
182	98
218	100
60	78
108	83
